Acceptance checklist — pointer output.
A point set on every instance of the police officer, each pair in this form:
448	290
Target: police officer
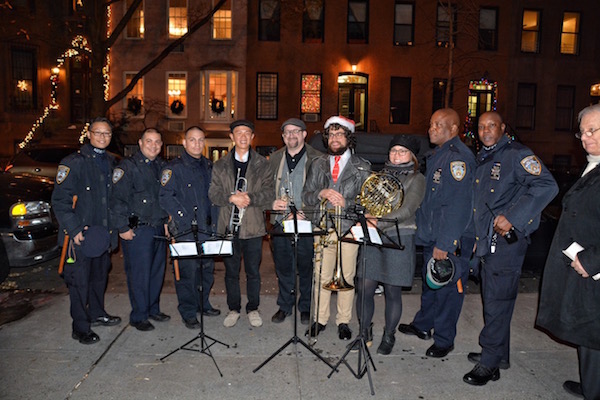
444	230
140	219
184	196
80	202
512	187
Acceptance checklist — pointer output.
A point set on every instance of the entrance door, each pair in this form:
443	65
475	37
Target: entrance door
79	71
352	98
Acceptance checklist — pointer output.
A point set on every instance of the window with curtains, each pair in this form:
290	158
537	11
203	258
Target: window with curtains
177	18
221	22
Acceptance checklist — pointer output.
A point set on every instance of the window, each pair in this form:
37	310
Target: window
311	97
266	96
135	26
446	22
177	94
177	18
269	20
135	98
221	22
488	29
404	21
219	95
312	21
526	105
23	93
440	87
569	36
530	35
358	21
400	100
565	105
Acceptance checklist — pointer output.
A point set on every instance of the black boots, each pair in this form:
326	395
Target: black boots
387	342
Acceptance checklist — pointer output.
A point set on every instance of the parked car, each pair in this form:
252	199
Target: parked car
28	230
39	160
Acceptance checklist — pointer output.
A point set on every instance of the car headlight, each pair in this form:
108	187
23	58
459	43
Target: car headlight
30	213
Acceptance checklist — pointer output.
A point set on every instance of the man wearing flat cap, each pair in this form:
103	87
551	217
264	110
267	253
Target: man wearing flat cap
242	186
288	170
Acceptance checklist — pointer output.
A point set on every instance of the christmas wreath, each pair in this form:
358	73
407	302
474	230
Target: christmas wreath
217	106
134	105
177	107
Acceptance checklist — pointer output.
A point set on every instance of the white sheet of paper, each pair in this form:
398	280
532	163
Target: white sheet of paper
357	233
183	249
304	226
217	247
572	250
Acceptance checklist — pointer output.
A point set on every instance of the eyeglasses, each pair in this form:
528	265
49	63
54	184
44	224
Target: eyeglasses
399	151
589	133
336	134
105	134
292	132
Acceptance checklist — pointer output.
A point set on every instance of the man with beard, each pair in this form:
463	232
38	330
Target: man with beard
336	178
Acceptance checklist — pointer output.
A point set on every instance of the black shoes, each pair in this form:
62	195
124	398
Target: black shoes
573	388
315	329
212	312
304	317
107	320
410	329
476	358
279	316
143	326
160	317
387	343
344	332
480	375
438	352
191	323
86	338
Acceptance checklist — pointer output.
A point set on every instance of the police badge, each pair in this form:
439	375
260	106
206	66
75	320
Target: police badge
166	176
117	175
62	173
458	170
532	165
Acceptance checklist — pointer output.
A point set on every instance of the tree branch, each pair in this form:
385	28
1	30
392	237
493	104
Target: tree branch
122	23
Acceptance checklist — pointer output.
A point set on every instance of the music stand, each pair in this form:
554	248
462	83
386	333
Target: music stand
203	337
364	241
294	339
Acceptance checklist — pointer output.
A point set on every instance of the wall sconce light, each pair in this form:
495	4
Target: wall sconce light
55	71
353	67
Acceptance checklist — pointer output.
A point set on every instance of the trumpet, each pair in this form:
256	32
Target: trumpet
235	221
337	282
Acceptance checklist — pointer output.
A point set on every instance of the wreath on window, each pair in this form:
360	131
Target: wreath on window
177	107
134	105
217	106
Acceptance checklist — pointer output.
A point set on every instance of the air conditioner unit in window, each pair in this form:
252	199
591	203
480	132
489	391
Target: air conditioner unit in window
176	126
311	117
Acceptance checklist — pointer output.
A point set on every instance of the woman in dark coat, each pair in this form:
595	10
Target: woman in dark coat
394	268
570	297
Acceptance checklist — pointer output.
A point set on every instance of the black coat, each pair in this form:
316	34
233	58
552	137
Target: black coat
570	304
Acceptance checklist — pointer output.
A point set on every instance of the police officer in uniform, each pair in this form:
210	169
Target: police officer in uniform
80	202
512	187
139	219
184	196
444	229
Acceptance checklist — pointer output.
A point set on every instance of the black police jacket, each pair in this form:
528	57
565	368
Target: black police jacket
136	184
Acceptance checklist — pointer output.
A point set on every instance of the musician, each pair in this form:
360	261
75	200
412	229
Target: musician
443	227
184	196
338	178
86	175
139	219
242	187
288	168
392	267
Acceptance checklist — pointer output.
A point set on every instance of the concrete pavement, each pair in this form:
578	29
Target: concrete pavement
39	360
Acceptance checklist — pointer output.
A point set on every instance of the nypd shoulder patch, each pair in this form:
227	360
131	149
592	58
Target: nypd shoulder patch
458	170
117	175
532	165
62	173
166	176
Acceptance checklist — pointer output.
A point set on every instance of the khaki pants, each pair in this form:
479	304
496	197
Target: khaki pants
345	299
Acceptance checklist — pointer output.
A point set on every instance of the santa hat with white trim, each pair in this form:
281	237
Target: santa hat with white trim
342	121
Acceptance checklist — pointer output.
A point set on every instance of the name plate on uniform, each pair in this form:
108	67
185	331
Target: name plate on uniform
217	247
304	226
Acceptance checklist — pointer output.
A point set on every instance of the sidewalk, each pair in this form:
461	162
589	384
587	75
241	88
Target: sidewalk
39	360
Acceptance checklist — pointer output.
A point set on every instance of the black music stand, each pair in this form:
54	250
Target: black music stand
203	337
364	356
294	339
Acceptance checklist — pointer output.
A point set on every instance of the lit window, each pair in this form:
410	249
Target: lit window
269	20
569	36
135	26
530	35
311	95
565	107
400	100
177	18
177	94
404	20
312	21
221	22
24	84
358	21
219	95
488	29
266	96
135	98
526	105
446	18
